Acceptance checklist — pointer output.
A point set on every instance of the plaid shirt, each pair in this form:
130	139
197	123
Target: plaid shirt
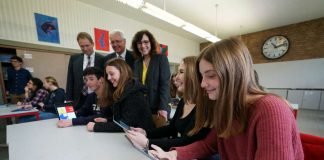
34	100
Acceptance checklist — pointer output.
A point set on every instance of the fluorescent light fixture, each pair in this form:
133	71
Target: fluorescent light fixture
161	14
170	18
133	3
196	30
213	39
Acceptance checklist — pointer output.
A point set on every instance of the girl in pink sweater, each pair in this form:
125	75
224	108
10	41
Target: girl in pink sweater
247	122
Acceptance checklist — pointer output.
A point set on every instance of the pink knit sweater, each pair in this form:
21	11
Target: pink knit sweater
271	134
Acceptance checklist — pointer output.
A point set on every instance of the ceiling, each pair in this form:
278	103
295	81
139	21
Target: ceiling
234	17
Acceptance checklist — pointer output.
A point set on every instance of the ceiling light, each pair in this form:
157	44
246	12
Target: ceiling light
161	14
133	3
213	39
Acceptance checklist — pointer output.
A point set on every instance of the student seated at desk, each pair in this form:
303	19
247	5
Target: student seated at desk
177	132
125	98
47	108
34	93
92	107
248	123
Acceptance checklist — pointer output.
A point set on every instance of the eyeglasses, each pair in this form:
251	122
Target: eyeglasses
143	42
116	42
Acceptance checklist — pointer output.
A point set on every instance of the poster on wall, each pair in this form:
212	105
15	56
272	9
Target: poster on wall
47	28
101	39
162	48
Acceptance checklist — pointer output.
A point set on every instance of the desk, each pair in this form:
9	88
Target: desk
43	140
5	112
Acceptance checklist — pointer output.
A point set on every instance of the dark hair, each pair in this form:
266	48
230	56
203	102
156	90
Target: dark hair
173	88
17	58
38	83
138	37
85	35
93	71
256	76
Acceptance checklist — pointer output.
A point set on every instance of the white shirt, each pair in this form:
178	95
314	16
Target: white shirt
123	54
85	60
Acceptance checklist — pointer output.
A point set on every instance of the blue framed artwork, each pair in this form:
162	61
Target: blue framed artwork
47	28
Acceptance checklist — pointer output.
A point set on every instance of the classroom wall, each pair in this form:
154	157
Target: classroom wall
17	23
292	74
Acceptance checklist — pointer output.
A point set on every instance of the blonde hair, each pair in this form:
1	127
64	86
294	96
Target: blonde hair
233	65
50	79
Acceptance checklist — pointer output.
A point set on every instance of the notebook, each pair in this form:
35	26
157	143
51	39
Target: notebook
65	111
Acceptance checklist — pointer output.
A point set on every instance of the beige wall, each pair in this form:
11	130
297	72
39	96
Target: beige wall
45	63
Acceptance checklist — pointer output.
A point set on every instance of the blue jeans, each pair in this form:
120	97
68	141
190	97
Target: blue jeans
42	116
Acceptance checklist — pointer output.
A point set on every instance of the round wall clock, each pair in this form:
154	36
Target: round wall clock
275	47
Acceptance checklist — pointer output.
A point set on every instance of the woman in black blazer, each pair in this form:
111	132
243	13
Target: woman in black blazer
152	70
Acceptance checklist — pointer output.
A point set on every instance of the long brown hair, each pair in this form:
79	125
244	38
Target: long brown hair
190	80
126	75
233	65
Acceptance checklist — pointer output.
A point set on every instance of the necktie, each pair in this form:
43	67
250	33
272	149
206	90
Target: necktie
85	88
120	57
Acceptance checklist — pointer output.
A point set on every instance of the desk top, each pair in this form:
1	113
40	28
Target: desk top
43	140
5	110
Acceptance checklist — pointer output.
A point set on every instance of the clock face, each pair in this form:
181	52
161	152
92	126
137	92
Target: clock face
275	47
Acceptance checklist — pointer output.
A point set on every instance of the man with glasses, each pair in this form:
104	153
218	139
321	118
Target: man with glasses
118	43
76	90
18	77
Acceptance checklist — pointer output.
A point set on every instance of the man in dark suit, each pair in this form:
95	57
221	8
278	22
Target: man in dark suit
75	88
118	43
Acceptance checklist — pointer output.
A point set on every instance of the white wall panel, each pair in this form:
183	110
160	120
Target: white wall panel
17	23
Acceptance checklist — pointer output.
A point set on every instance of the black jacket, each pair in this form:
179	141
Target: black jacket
131	108
54	98
175	134
156	82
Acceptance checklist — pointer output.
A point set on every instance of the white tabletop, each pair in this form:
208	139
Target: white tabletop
6	110
43	140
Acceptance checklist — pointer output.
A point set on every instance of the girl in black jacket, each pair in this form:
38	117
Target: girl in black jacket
126	99
177	133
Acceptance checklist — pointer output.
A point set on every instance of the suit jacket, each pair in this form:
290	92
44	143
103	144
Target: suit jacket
74	83
156	82
129	58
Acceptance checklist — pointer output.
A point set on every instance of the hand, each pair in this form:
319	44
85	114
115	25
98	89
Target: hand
281	45
138	139
90	126
27	106
99	119
41	104
26	89
64	123
274	46
160	154
19	104
164	114
139	130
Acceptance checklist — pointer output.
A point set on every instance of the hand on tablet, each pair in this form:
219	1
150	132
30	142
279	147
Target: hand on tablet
160	154
99	119
137	138
140	130
90	126
64	123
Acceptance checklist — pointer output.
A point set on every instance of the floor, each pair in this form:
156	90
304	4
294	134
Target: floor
309	121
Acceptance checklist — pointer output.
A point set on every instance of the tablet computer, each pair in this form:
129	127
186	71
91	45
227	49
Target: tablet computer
121	124
145	152
65	111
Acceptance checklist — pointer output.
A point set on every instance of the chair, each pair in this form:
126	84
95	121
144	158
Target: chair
313	147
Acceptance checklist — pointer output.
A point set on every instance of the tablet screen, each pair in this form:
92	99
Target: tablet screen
146	153
66	112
